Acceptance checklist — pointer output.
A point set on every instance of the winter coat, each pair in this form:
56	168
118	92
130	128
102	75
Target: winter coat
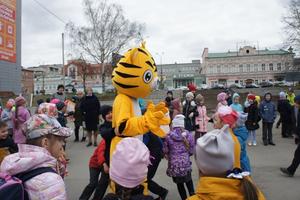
18	123
285	110
242	135
61	97
267	111
78	116
296	121
237	107
188	108
201	120
48	185
178	153
90	107
6	116
97	159
291	98
253	117
61	119
217	188
107	133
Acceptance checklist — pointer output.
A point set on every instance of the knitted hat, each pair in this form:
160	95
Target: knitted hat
199	99
282	95
189	95
10	103
55	101
178	121
235	95
192	87
215	152
20	101
129	163
176	103
105	109
222	97
251	97
41	124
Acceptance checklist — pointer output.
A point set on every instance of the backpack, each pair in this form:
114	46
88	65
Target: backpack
12	187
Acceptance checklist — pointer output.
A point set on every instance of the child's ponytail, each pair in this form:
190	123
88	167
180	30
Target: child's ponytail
249	189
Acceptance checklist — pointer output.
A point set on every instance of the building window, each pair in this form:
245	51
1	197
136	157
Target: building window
263	67
236	81
271	66
255	67
241	68
218	69
247	51
225	69
279	66
287	66
248	67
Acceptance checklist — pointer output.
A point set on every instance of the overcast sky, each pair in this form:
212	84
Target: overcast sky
180	29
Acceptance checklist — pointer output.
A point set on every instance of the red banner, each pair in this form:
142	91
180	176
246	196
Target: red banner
8	30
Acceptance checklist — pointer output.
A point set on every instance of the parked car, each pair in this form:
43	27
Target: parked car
218	86
266	84
252	85
236	85
284	84
182	88
204	87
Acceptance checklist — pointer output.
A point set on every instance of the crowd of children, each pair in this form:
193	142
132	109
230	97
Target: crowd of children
35	144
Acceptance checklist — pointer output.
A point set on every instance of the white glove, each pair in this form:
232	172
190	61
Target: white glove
191	115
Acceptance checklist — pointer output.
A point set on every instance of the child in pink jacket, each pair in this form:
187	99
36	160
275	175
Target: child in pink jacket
43	147
20	116
201	120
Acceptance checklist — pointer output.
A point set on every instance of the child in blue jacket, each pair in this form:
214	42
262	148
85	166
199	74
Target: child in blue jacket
241	132
267	112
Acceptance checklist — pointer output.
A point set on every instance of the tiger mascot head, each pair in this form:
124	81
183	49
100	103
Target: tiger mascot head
136	73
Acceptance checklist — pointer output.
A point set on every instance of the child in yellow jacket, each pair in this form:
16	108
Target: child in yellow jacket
218	160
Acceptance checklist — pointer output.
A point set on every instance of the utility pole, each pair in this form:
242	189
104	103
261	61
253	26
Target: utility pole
161	70
63	56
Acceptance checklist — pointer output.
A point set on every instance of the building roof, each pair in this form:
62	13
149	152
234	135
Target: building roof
259	52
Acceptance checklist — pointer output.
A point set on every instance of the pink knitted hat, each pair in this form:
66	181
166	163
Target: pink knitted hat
20	101
222	98
129	163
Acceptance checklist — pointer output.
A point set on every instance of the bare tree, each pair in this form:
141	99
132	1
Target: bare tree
107	32
291	21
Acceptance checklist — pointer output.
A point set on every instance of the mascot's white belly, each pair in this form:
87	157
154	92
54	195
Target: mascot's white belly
137	112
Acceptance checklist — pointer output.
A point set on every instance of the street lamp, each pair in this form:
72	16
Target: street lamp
161	70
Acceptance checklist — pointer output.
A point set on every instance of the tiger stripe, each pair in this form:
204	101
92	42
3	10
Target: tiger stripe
125	86
124	75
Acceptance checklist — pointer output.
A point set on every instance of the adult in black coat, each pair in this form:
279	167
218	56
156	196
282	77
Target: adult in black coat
90	107
290	171
285	110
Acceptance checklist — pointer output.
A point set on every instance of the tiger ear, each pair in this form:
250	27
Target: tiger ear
133	55
143	44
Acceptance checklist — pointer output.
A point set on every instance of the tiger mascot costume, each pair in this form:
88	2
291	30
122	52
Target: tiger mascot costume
135	76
